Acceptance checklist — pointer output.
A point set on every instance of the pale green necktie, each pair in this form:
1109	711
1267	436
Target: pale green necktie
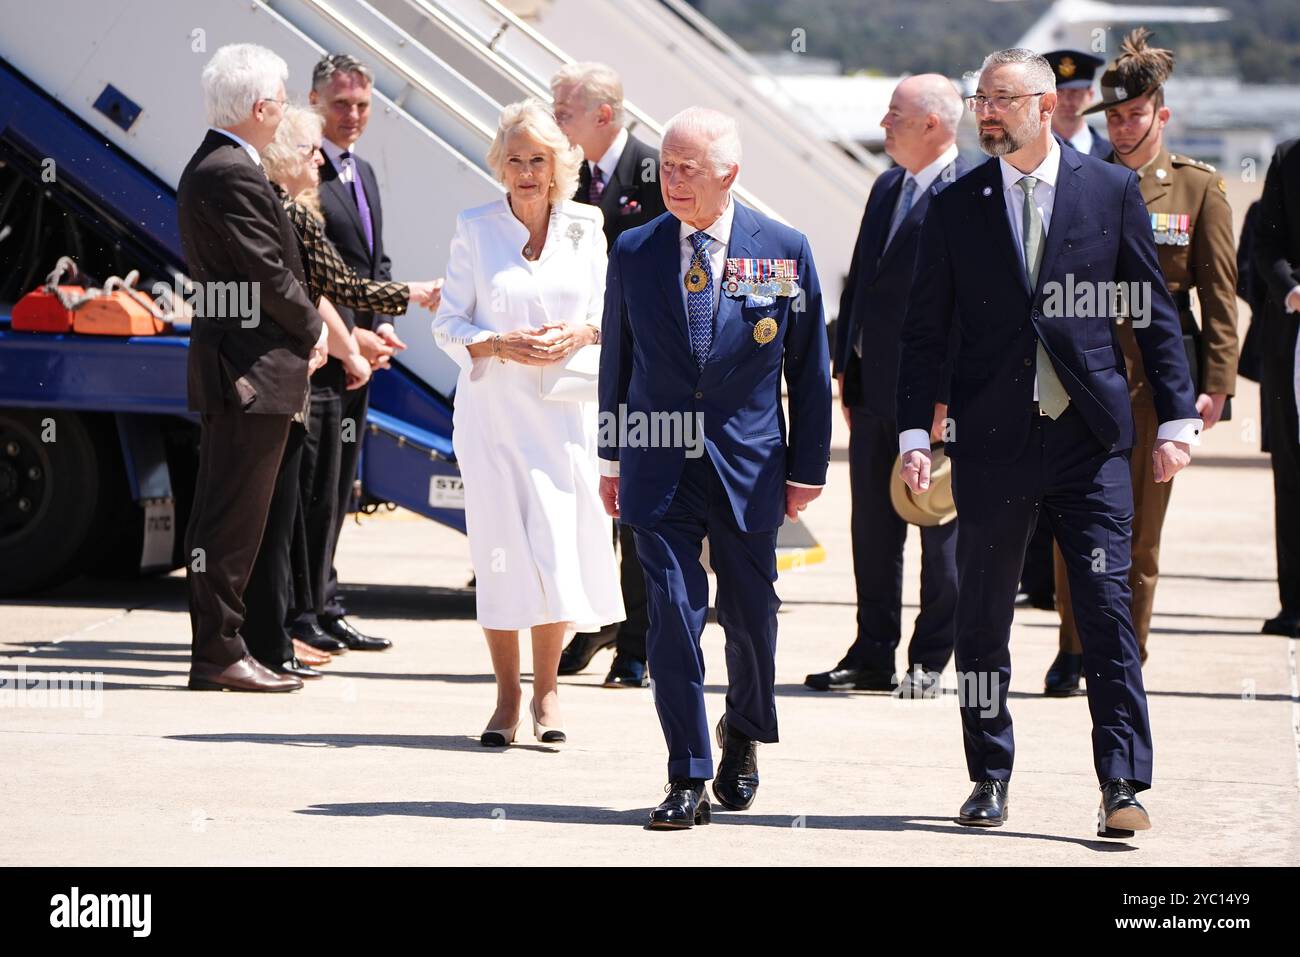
1052	397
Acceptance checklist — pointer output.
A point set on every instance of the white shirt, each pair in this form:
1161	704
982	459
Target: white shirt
609	162
1083	140
334	153
1044	198
926	177
248	147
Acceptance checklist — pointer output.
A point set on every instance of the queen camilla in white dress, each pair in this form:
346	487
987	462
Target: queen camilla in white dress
538	534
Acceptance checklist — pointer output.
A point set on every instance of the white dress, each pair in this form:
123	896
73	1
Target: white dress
539	537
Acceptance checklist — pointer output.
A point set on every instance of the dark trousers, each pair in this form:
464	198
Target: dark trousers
318	494
677	588
878	539
271	589
1037	577
1086	493
632	630
352	410
239	456
1277	396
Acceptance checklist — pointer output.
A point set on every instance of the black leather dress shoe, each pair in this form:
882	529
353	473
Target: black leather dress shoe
687	804
340	629
919	683
1120	813
626	672
852	679
579	652
312	635
736	783
1064	675
986	806
296	668
1284	624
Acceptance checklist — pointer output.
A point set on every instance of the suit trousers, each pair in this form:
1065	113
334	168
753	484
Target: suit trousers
1086	493
677	591
1150	503
319	493
239	458
353	406
270	594
1277	395
879	535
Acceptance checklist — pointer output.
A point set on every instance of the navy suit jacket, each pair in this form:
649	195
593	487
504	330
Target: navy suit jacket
646	367
969	271
876	293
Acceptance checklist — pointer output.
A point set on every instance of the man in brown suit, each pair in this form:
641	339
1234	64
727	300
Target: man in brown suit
255	340
1192	223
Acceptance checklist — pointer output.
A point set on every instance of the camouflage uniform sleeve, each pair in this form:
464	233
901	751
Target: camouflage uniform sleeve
1214	261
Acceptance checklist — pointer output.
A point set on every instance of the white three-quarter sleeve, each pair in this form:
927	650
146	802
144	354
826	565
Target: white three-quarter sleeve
454	329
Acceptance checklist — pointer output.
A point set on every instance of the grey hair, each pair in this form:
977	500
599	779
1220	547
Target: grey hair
599	84
1037	70
236	78
943	100
722	132
332	64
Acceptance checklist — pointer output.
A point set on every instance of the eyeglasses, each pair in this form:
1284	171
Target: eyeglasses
306	149
1000	103
270	99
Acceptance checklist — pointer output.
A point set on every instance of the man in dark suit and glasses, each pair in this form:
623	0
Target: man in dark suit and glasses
354	223
1277	257
920	136
1041	414
247	374
620	175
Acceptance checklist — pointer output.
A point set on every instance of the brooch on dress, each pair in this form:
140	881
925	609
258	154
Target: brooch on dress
574	232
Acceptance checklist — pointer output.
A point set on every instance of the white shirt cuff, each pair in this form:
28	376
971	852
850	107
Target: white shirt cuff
802	484
1181	430
1288	296
608	467
911	439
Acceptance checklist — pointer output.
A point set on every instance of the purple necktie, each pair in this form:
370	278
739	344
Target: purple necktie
359	196
597	186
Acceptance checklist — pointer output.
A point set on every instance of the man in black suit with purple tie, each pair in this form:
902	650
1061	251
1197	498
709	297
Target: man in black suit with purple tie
1031	256
920	136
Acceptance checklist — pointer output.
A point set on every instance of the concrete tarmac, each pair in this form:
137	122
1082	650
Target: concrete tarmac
379	762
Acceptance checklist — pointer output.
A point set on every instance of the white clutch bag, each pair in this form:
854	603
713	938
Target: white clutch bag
574	379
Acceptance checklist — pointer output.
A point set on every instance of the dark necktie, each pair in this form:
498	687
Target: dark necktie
597	186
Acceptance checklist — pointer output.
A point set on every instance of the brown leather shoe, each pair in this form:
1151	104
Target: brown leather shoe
309	655
246	674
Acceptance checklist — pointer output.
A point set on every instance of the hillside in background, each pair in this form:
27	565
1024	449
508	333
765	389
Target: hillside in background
1261	43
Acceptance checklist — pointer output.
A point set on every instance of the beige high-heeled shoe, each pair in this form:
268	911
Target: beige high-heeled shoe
499	737
542	732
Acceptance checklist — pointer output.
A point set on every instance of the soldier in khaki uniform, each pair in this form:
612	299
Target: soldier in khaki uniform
1194	240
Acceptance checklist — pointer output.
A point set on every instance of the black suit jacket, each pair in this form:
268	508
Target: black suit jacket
875	295
1277	257
345	230
234	230
632	197
970	273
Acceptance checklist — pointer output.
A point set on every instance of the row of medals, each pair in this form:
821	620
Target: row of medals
764	329
1164	225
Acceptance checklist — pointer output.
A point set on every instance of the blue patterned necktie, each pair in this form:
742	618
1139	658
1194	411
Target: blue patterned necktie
699	305
902	209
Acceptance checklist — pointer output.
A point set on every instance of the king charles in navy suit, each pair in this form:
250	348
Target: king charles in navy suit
705	308
1024	252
